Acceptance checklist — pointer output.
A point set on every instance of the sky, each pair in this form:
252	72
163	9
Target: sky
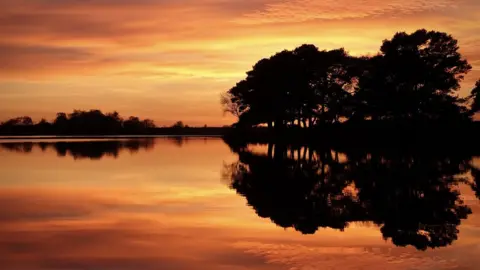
170	60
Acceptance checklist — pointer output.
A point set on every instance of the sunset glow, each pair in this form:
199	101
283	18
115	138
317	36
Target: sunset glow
167	208
171	60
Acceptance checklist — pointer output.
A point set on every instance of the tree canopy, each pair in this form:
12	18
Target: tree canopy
414	77
475	98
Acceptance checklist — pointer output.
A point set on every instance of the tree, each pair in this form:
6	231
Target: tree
132	124
236	101
178	124
475	98
19	121
61	122
267	95
79	122
416	76
291	87
43	126
26	121
330	81
148	123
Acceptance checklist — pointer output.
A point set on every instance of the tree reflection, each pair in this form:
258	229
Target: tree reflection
95	149
476	181
411	197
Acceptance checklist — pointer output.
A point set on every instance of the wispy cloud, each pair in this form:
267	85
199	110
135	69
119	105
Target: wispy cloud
305	10
297	256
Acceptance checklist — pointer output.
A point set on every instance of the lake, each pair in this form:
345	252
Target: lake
197	203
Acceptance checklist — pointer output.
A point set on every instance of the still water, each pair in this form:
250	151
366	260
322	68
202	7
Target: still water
196	203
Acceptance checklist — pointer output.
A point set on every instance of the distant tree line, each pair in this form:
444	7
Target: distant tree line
95	122
79	123
414	77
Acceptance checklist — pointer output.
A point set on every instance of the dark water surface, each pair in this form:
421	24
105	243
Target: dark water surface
196	203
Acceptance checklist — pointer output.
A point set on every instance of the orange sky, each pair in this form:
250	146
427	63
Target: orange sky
170	60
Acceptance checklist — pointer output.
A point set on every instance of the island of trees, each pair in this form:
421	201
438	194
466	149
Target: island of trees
95	122
78	123
413	80
383	139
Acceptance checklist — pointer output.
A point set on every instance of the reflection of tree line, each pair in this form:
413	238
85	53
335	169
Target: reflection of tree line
83	149
411	197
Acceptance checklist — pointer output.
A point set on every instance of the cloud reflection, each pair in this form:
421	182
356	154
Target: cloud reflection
167	209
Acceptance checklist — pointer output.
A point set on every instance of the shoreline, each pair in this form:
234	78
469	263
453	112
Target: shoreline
61	137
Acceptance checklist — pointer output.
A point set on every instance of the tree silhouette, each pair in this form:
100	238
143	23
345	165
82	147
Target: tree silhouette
329	80
178	125
291	88
19	121
476	180
92	122
475	98
415	77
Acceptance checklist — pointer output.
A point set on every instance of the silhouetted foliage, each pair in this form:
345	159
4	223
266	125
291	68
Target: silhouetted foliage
410	196
415	77
476	181
18	121
178	125
93	149
475	98
92	122
299	87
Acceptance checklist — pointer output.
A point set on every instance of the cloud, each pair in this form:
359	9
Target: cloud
211	39
47	60
47	229
126	216
305	10
302	257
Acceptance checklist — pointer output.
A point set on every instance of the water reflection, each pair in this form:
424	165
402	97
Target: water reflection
93	149
165	208
412	197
